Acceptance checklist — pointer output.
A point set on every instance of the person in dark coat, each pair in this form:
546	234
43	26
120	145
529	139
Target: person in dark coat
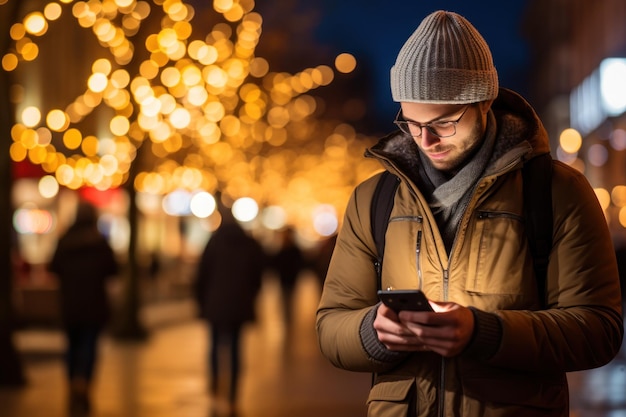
288	263
228	281
83	262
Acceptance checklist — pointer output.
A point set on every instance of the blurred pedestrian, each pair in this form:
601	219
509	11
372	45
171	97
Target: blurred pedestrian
322	257
83	262
227	283
288	262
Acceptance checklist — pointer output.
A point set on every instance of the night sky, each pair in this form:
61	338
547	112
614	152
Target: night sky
374	31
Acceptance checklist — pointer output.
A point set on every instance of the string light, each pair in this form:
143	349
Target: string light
210	102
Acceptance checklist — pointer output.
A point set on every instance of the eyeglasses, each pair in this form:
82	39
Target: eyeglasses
440	128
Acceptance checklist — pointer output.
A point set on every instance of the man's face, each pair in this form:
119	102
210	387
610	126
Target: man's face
448	153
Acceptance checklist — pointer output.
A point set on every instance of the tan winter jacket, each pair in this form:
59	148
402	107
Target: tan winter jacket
490	269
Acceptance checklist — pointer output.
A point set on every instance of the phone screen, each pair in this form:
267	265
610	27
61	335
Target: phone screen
398	300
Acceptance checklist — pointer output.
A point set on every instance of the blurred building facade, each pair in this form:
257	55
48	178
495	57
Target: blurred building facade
578	81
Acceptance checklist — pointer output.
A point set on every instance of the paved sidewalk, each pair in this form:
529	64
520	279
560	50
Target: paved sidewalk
165	375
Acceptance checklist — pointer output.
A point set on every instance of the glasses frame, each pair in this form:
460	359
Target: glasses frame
405	125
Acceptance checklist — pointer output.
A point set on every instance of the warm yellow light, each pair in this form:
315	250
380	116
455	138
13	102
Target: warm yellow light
215	76
160	132
48	186
89	146
191	75
37	155
197	95
72	138
102	65
64	174
278	117
44	136
234	14
119	125
176	10
327	74
29	51
618	195
253	111
104	30
149	69
35	23
603	197
97	82
150	106
57	120
183	29
214	111
16	132
92	99
17	31
109	164
18	152
9	62
170	76
123	3
29	138
52	11
31	116
167	38
345	63
168	103
222	6
119	100
570	140
141	88
180	118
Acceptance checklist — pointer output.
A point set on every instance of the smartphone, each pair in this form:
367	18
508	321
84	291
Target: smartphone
398	300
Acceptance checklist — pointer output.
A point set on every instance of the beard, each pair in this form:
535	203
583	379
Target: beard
470	145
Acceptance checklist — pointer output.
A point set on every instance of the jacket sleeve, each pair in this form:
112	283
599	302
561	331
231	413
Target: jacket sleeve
349	292
582	327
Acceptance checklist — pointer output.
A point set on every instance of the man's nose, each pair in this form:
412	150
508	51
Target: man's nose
428	138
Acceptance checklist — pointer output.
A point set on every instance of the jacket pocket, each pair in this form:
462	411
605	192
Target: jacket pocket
511	388
496	256
392	397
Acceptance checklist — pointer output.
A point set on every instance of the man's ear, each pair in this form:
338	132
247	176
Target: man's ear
484	106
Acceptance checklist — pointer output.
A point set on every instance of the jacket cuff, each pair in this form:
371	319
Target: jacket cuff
374	347
487	335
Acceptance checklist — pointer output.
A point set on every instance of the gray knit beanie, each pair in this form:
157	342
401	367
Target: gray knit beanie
445	61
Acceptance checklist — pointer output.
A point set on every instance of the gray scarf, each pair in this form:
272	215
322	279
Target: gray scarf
449	196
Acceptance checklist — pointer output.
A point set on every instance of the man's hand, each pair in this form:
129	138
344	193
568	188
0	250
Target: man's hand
447	331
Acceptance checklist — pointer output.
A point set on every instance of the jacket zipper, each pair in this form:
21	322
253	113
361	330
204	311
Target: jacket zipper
418	247
442	388
491	215
442	375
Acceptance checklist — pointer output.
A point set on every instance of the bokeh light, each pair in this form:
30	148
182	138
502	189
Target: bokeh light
202	204
245	209
570	140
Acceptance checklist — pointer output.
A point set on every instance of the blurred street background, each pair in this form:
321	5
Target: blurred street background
166	374
150	109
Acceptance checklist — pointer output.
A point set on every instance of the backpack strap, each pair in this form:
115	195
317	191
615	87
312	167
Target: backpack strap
537	177
382	204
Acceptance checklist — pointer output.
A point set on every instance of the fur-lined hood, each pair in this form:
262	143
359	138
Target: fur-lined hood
519	129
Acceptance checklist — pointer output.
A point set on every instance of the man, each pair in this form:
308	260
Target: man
83	263
492	346
228	281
